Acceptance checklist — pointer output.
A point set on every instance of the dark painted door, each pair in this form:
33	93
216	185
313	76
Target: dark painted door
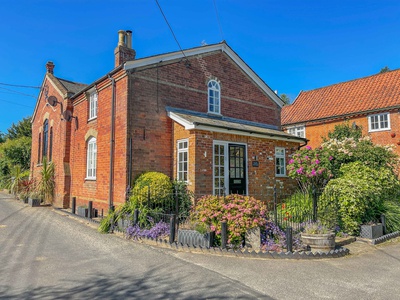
237	169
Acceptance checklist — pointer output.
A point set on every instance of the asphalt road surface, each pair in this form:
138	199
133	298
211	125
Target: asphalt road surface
47	254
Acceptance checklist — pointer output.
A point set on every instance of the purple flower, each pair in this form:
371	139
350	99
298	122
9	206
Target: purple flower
308	147
291	161
330	157
300	171
316	161
313	173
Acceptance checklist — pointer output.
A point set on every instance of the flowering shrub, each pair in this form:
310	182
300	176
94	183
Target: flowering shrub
311	168
159	230
274	239
240	212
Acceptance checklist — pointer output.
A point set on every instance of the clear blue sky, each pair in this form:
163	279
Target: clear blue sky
291	45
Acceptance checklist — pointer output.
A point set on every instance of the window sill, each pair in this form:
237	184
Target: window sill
90	179
92	119
281	176
379	130
215	114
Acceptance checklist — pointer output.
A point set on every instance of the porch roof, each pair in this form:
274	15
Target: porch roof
202	121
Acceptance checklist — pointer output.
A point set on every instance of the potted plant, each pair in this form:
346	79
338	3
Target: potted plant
371	230
318	237
34	199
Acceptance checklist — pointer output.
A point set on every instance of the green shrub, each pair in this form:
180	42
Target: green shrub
296	208
361	192
392	214
240	212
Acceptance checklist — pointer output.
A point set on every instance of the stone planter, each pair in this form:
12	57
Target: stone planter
82	211
323	242
372	232
33	202
123	224
195	238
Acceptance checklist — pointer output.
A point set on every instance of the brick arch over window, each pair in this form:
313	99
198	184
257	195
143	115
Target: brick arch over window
90	133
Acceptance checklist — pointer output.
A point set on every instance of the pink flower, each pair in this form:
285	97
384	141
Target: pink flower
308	147
330	157
300	171
313	173
291	161
316	161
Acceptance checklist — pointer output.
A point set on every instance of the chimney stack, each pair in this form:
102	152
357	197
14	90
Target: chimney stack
50	67
124	52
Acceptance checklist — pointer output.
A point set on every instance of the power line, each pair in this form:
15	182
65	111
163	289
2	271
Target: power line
219	23
170	28
16	92
16	103
21	86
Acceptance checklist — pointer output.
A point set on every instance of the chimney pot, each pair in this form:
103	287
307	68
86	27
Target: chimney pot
129	39
121	38
50	67
124	52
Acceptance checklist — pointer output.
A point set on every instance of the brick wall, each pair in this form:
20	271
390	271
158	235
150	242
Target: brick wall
315	131
98	190
177	85
60	148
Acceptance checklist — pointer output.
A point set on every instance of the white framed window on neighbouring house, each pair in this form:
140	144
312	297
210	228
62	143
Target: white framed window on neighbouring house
280	161
93	105
379	122
298	131
91	165
182	160
214	97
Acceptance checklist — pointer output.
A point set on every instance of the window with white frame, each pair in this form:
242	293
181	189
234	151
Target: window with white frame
298	131
379	122
93	105
280	161
91	158
182	160
214	97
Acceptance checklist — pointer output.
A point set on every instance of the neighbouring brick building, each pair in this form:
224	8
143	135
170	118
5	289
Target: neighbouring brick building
200	115
372	102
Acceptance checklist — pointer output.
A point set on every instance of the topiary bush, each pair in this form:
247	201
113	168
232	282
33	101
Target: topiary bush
240	212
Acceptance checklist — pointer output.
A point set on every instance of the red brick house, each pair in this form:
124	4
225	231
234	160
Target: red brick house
200	115
371	102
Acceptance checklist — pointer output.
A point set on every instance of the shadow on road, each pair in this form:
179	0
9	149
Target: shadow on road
148	285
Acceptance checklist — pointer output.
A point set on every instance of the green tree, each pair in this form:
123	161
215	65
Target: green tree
21	129
344	130
285	98
2	137
384	70
16	152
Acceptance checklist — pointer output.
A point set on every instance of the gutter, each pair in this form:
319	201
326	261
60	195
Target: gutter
112	146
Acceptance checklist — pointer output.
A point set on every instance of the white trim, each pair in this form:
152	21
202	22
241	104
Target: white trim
379	129
284	161
226	164
295	127
206	49
187	158
189	126
91	156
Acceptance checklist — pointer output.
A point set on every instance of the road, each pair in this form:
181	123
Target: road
45	254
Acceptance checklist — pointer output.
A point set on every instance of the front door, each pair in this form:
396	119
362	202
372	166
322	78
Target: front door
229	170
237	170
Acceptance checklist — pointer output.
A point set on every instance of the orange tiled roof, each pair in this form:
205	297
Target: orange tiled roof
362	95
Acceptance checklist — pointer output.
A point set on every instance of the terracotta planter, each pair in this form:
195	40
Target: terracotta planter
319	242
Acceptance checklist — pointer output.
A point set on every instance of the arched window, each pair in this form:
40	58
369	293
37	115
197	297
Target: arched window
39	147
51	144
91	158
214	97
45	137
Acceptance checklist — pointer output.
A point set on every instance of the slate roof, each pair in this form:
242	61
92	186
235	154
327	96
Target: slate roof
360	96
201	120
70	86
